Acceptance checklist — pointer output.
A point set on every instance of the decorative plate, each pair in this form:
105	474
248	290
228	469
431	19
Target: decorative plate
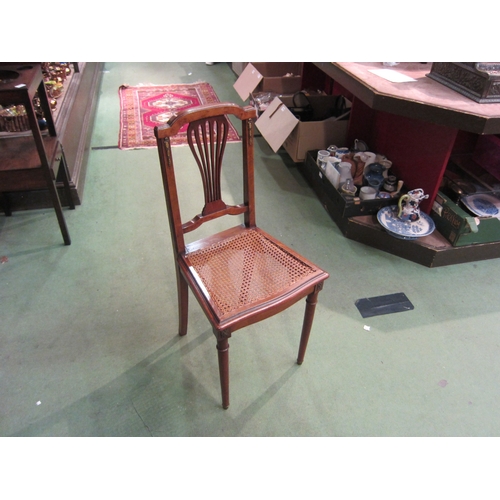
483	205
388	218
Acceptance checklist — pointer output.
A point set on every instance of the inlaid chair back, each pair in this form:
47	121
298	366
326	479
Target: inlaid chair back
241	275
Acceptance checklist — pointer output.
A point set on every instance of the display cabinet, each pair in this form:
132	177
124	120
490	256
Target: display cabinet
73	120
35	160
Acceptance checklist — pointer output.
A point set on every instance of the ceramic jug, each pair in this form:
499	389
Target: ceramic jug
408	205
345	172
374	175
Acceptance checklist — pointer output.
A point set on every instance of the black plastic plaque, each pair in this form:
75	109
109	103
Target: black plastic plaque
384	304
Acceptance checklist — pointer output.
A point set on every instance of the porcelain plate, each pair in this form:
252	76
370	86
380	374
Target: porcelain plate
388	218
482	205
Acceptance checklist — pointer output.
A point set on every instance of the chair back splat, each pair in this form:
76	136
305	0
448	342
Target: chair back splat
242	275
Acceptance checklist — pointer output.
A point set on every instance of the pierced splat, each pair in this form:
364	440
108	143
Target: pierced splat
207	140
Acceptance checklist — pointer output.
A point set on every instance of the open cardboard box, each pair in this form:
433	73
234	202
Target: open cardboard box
269	77
319	133
280	127
274	79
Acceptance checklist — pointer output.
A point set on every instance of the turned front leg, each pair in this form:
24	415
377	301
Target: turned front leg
223	355
311	301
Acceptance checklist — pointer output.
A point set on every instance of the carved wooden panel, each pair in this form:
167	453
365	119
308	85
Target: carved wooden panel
477	81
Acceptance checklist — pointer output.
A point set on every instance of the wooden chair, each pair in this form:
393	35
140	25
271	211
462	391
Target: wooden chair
241	275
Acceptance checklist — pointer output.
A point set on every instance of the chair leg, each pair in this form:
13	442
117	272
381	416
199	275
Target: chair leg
223	354
311	301
183	299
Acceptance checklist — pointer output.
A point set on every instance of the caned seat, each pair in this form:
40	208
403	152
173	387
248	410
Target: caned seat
241	275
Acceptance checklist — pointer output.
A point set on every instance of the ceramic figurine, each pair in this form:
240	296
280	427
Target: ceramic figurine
408	205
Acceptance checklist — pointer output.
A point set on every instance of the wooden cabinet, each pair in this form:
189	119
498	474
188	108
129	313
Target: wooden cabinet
419	125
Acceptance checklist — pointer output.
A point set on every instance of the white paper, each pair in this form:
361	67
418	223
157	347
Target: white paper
392	76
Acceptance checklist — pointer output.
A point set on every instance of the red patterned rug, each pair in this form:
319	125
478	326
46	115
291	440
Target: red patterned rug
144	107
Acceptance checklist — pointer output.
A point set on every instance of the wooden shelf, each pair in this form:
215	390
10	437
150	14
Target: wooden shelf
430	251
20	165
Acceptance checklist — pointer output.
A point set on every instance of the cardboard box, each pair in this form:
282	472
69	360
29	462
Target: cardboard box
459	226
318	133
274	79
269	77
281	128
